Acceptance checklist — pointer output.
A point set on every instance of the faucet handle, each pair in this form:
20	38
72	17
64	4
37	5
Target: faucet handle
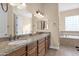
10	37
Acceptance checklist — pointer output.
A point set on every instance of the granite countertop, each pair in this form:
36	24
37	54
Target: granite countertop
7	47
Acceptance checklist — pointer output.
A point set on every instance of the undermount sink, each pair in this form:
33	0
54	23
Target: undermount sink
21	42
17	42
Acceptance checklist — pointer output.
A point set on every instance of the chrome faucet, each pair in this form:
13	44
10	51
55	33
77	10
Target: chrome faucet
14	37
10	37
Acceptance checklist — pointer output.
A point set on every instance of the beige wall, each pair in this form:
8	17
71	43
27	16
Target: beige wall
33	7
66	13
51	12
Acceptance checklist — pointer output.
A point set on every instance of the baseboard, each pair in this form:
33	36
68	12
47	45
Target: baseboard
52	47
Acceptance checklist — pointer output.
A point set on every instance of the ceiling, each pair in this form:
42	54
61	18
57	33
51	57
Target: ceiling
68	6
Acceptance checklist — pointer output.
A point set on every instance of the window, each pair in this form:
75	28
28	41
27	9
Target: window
72	23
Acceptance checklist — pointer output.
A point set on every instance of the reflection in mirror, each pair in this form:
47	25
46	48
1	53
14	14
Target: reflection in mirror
23	19
42	25
23	24
3	23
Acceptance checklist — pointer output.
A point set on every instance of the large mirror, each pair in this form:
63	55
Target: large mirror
23	24
23	21
3	20
17	20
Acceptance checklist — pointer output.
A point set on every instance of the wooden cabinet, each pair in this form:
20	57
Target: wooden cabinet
24	54
19	52
46	44
32	49
41	47
37	48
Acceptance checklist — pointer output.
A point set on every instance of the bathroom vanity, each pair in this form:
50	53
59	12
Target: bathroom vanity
36	45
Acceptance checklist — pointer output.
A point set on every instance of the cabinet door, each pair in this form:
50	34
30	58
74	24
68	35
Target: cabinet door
32	49
18	52
31	45
32	52
46	45
42	52
41	47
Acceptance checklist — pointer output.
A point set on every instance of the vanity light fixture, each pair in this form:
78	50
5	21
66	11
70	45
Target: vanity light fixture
39	14
4	7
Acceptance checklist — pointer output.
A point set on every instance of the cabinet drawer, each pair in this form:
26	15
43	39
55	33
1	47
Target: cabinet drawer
47	43
32	52
41	40
41	53
41	49
31	46
18	52
41	44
